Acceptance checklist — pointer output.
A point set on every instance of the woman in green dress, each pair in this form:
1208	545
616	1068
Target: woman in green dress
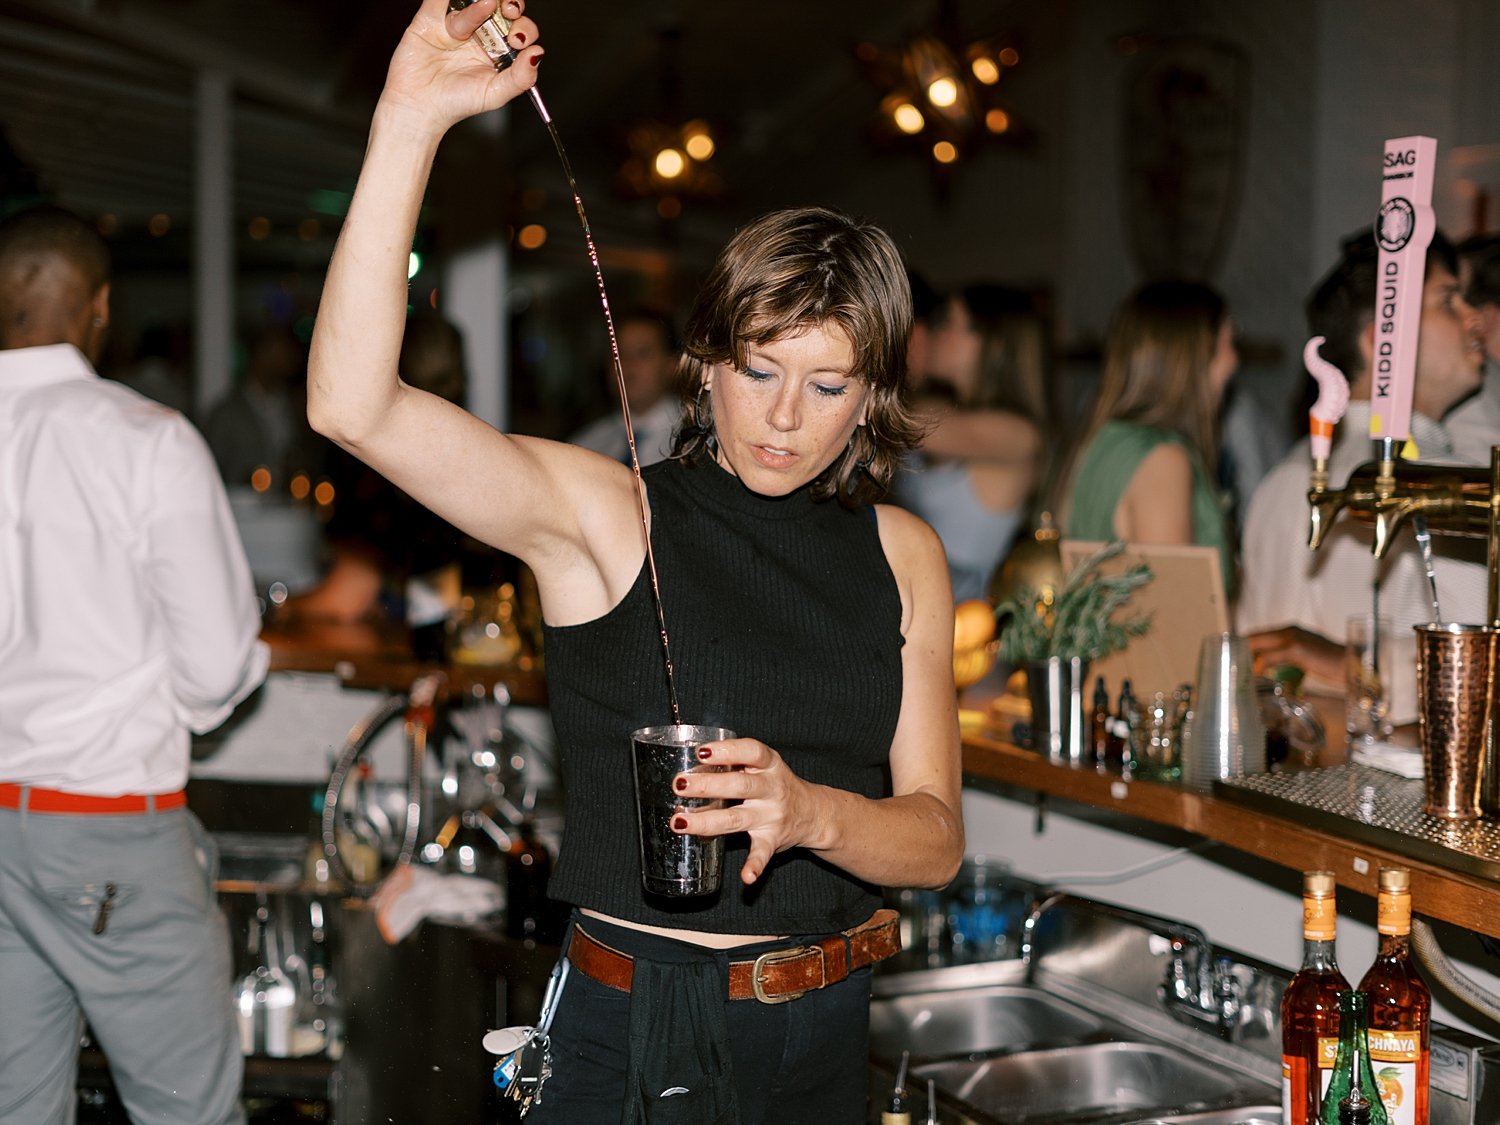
1143	470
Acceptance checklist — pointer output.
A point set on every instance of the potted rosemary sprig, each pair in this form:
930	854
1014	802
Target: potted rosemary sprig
1056	634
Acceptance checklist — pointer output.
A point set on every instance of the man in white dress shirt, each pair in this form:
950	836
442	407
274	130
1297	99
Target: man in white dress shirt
1299	601
648	361
127	620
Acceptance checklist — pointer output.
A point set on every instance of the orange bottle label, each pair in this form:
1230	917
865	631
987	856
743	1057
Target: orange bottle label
1393	915
1319	919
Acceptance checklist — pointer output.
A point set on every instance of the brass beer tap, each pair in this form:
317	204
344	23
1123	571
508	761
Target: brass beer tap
1461	501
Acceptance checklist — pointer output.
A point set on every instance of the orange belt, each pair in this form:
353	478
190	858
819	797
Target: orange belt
58	801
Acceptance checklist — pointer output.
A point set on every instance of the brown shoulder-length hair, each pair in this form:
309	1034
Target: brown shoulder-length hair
789	272
1156	358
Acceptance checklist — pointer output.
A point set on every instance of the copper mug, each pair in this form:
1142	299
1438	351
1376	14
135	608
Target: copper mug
1455	698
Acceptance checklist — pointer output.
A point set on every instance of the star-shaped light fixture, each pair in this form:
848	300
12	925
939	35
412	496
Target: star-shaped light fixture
941	92
667	158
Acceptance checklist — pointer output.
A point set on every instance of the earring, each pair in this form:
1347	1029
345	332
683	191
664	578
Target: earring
862	464
98	322
698	421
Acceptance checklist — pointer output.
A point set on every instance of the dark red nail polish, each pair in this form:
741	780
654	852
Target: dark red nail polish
680	784
520	37
536	60
704	753
679	824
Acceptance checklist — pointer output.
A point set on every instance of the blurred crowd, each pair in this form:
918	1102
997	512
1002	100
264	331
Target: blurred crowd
1147	439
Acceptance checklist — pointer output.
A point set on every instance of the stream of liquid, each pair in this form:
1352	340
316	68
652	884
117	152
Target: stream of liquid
491	36
1424	544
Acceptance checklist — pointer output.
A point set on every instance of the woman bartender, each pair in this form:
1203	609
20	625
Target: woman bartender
816	625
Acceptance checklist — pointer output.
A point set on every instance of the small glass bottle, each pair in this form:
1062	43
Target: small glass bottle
1127	723
1118	742
1352	1067
1400	1007
1310	1006
1099	724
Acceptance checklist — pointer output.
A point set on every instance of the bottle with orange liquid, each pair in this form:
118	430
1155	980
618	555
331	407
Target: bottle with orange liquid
1400	1007
1310	1006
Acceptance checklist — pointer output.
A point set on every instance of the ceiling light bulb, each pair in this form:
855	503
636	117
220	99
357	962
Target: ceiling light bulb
1010	56
942	92
908	118
986	70
944	152
997	121
669	163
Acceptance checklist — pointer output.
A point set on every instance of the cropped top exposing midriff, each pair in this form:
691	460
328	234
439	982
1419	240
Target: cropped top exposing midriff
784	620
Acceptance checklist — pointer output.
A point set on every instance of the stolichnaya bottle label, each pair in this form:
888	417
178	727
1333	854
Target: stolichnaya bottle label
1394	1056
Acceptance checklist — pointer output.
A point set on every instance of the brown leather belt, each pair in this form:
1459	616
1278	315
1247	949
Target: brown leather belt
772	978
59	801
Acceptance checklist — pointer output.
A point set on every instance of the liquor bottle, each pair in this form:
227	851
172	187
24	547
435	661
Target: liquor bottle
1310	1006
527	867
1352	1067
896	1111
1099	723
1400	1007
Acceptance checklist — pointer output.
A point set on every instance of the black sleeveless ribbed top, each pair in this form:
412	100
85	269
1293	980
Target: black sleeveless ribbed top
785	623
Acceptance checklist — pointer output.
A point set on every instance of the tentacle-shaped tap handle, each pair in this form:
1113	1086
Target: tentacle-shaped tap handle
1333	399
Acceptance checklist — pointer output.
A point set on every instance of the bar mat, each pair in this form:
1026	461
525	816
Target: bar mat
1372	807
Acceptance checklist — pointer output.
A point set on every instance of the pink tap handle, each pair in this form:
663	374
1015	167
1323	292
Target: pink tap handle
1403	230
1333	399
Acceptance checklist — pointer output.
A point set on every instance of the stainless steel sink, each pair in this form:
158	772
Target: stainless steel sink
968	1021
1248	1115
1091	1080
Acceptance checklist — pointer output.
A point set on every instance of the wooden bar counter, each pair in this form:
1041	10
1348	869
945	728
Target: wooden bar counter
366	655
1445	891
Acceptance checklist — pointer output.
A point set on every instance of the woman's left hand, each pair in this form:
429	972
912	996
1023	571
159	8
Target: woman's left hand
774	807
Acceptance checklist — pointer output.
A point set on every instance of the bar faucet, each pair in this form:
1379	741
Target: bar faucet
1188	984
1209	988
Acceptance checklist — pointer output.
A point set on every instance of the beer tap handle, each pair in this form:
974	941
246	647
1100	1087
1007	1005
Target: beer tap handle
1328	410
1326	413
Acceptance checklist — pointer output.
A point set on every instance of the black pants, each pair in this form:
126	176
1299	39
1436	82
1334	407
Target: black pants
805	1061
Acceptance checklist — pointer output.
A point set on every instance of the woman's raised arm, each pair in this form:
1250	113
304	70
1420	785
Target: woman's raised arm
543	502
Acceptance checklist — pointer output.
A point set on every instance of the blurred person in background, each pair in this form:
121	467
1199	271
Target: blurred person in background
1295	603
391	557
127	621
984	395
1143	469
649	352
160	370
1474	424
261	422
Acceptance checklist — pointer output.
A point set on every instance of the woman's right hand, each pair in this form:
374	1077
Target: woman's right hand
439	77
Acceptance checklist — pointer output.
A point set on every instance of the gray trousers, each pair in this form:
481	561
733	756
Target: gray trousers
154	986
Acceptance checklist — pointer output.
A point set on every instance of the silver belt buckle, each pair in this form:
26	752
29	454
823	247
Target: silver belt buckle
777	957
